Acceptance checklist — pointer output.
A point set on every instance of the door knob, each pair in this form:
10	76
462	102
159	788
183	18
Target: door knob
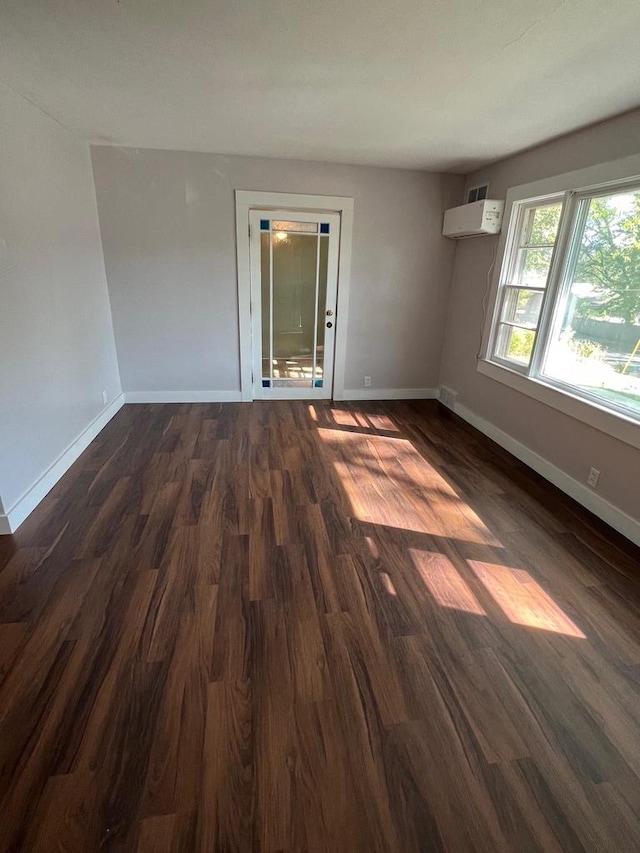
329	324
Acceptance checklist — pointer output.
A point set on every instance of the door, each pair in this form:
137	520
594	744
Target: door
294	285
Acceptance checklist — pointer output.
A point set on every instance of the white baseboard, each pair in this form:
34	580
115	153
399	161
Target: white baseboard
388	394
182	396
581	493
14	517
236	396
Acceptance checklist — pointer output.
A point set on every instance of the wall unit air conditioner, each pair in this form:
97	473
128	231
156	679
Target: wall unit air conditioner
472	220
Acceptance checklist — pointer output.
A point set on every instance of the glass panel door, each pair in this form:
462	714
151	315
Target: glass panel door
294	287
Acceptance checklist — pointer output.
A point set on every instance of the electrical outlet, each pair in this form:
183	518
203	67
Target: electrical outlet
104	397
594	476
367	382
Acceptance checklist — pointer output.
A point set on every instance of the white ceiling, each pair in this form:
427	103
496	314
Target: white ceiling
435	84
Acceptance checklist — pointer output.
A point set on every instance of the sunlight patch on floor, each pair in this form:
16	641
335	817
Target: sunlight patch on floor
362	420
373	548
389	483
522	599
343	417
444	582
387	583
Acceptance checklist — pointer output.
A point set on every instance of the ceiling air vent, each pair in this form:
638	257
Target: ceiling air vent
478	193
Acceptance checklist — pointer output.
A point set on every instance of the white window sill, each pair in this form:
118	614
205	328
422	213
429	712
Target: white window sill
612	423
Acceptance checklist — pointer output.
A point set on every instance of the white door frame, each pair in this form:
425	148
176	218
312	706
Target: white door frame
247	200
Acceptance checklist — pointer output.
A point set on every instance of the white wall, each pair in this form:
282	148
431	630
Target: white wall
167	221
568	444
57	349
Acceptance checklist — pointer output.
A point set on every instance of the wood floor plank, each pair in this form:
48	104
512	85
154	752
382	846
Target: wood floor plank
13	636
126	650
292	626
325	785
125	753
66	814
226	808
231	642
272	689
157	834
174	771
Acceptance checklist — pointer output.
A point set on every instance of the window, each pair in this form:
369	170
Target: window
525	283
568	304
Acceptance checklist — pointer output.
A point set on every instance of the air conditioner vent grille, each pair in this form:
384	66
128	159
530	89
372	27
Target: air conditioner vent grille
478	193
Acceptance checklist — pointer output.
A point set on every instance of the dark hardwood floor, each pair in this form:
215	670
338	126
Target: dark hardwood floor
294	627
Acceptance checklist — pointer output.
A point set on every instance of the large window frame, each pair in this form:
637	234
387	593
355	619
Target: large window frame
510	283
574	190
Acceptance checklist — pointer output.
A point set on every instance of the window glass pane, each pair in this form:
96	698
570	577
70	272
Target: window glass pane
294	295
265	272
522	306
534	268
322	305
595	342
543	227
515	344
